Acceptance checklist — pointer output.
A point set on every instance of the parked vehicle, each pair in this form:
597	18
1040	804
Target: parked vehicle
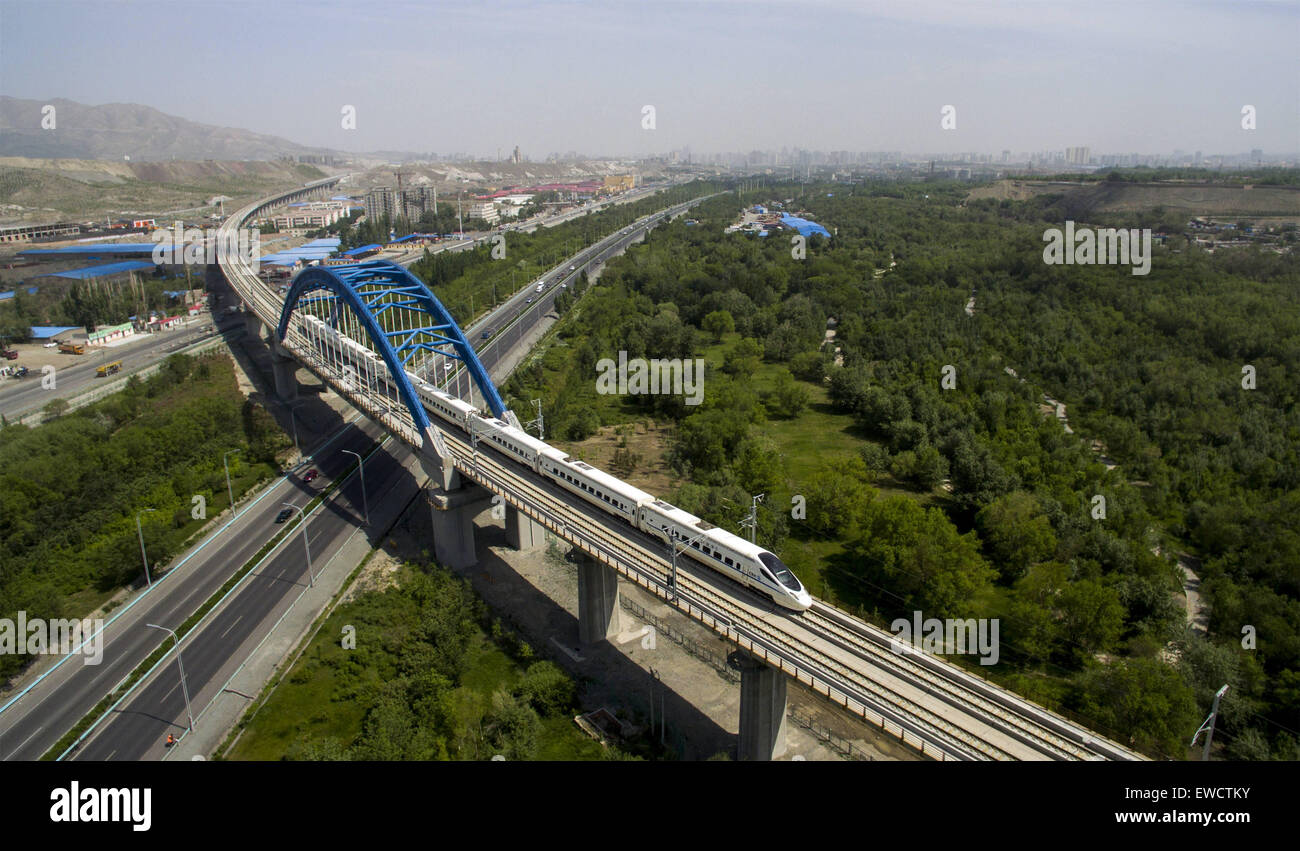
70	349
10	354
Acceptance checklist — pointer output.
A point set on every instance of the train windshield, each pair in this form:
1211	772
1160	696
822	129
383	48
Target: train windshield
782	573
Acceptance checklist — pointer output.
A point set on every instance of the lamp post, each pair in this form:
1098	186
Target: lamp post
229	489
361	465
185	689
311	580
140	532
293	422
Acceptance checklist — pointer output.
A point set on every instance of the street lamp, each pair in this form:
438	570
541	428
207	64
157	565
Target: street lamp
311	580
185	689
140	532
362	467
225	464
293	422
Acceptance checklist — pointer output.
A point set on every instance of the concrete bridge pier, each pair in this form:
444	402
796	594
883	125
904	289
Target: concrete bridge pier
597	600
522	531
253	326
453	523
285	369
762	709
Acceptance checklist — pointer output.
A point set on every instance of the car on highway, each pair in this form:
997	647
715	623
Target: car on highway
310	475
486	334
529	301
284	515
570	268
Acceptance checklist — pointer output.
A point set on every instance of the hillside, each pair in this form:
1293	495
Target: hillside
117	130
1084	199
35	191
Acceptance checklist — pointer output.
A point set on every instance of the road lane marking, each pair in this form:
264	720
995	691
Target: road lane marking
232	626
25	741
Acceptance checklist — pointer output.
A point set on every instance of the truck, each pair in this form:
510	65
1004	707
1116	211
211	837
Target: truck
109	369
10	354
72	348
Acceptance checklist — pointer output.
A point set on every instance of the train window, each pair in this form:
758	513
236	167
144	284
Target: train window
727	561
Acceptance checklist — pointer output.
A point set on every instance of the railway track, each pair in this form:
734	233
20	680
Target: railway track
932	705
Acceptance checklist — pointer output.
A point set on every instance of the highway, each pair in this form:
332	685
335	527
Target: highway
138	727
75	373
39	718
932	705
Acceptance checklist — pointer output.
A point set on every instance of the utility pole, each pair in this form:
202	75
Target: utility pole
751	519
539	422
674	548
1208	725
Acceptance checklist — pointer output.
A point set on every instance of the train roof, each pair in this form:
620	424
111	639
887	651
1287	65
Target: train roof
611	483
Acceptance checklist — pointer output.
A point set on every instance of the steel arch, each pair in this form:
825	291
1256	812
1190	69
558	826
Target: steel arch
373	287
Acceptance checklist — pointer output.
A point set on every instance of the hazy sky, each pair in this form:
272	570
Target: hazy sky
726	75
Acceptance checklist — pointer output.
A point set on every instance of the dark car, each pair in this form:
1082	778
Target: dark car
486	334
310	474
285	514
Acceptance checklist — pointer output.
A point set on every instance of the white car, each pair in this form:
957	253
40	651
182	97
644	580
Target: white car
51	345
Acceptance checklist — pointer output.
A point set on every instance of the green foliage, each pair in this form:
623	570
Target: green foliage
919	554
719	323
1151	371
71	489
430	678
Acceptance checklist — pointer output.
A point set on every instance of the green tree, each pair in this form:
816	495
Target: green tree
719	323
1016	532
920	555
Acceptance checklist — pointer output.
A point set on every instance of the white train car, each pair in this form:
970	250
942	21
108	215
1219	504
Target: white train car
731	555
595	486
512	442
709	545
446	406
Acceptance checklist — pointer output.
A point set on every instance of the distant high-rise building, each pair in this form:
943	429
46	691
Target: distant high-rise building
418	200
1006	156
381	201
516	157
1257	154
1078	156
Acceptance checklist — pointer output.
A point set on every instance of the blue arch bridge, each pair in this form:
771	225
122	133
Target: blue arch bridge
379	330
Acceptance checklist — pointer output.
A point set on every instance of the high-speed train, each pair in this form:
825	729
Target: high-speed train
729	554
